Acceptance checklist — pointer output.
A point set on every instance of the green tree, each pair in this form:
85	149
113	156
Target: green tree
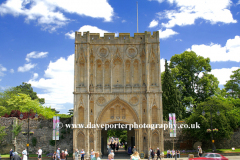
16	129
226	122
23	103
171	95
233	85
27	89
190	72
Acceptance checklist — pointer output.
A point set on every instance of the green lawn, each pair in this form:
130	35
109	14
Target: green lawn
30	155
224	150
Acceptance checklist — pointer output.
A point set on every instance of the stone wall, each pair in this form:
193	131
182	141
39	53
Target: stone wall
42	131
183	142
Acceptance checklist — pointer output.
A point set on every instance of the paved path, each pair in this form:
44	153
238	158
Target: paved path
122	155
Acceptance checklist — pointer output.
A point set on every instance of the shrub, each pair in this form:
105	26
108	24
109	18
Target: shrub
34	141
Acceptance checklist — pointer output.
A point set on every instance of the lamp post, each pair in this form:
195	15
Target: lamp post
21	117
218	113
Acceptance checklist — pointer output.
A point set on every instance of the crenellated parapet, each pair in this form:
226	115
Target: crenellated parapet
110	38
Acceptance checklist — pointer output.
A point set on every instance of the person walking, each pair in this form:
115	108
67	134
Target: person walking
54	157
149	153
11	154
96	156
82	154
66	154
62	155
112	153
158	154
199	151
92	154
134	149
76	154
58	153
152	153
39	153
117	146
24	154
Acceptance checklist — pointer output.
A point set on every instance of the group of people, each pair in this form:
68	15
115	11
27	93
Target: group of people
15	156
172	153
151	154
93	156
114	146
58	155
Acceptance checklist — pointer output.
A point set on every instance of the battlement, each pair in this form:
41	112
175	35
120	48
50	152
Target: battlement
87	37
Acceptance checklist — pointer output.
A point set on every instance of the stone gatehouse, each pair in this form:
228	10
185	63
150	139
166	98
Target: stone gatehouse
117	80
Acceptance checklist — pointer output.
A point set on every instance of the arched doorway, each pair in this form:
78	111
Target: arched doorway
118	113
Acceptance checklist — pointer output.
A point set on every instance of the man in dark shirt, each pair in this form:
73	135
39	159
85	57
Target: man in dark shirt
158	154
11	154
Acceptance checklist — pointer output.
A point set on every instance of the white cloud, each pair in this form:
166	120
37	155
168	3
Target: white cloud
152	24
216	53
167	33
91	29
11	70
238	2
34	54
50	13
223	74
178	40
123	21
187	11
2	69
57	83
26	67
35	76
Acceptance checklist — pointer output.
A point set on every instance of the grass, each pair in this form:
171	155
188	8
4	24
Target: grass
30	155
224	150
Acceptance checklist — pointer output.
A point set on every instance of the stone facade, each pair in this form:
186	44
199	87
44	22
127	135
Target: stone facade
117	80
42	131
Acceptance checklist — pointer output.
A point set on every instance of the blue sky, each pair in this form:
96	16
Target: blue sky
37	37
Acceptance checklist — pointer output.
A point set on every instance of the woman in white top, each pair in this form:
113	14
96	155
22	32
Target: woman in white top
135	156
92	154
24	154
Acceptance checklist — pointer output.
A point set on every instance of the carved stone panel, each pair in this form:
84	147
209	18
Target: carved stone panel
103	52
134	100
131	52
101	101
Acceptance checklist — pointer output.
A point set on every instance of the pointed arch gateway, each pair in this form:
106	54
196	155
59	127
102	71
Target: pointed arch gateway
106	117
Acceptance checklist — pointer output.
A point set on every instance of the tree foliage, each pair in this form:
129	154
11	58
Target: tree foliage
27	89
118	133
23	103
226	122
16	129
233	85
190	72
171	95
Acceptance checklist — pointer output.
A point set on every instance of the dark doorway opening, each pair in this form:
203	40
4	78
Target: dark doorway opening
117	135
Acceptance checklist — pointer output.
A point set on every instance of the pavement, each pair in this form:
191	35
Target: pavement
122	155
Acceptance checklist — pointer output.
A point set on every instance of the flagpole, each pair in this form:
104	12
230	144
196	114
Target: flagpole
137	17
